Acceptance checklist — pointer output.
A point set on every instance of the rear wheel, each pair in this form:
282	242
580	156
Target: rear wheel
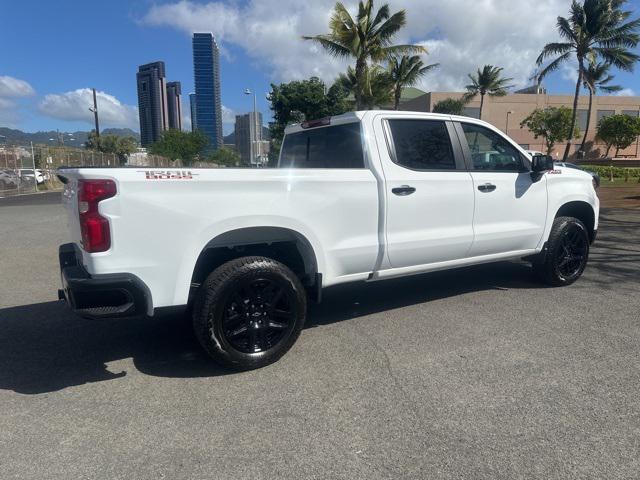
249	312
567	253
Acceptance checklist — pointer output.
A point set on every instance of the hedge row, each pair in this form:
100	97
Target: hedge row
618	172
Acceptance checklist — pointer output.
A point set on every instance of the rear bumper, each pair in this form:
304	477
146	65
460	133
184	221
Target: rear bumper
112	295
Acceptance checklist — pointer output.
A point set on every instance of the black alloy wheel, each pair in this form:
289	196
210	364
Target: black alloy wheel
249	312
567	253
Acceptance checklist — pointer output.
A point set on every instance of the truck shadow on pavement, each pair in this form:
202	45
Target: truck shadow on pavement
45	348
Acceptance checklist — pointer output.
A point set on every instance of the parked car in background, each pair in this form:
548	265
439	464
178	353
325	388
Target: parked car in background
8	180
595	175
28	175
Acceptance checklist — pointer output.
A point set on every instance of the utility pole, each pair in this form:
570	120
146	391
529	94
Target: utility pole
35	173
95	112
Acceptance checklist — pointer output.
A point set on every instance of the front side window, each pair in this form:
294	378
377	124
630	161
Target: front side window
338	146
422	144
490	151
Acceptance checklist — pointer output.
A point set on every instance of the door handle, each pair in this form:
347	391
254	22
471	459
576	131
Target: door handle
487	187
403	190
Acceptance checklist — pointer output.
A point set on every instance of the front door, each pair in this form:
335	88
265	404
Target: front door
429	192
510	202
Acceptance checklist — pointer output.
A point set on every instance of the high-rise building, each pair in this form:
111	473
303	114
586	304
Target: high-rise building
152	102
194	118
248	138
206	70
174	106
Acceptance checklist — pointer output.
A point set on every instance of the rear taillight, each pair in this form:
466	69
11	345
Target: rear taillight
96	236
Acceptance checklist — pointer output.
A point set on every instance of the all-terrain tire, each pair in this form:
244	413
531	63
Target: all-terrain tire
567	253
239	306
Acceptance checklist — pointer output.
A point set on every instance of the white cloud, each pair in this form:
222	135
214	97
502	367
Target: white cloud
228	115
74	106
625	92
14	87
460	36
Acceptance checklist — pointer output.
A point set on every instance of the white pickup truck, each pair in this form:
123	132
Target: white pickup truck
363	196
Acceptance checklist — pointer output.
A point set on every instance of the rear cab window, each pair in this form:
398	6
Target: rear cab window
334	146
420	144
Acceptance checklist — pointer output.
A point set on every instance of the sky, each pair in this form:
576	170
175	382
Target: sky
54	52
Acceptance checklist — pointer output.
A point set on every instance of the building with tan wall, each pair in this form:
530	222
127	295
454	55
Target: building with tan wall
507	112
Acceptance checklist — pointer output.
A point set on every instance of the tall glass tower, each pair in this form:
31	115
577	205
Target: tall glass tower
206	71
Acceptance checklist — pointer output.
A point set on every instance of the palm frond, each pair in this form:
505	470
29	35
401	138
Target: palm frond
386	31
334	48
618	57
553	66
552	49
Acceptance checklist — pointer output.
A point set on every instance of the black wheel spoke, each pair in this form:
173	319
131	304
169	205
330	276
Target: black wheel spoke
277	313
277	325
237	332
252	339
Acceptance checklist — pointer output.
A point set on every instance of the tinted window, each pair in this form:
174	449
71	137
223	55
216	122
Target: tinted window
338	146
473	112
581	119
490	151
604	113
422	144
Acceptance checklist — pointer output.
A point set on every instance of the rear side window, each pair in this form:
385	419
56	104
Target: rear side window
422	144
338	146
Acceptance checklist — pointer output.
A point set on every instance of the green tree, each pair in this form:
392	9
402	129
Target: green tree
113	144
179	145
618	131
225	157
297	101
594	29
366	38
450	106
553	124
404	72
487	81
596	77
379	86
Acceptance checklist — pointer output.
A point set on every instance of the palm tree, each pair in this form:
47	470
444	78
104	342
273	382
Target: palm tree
405	72
487	82
596	77
377	86
594	29
367	38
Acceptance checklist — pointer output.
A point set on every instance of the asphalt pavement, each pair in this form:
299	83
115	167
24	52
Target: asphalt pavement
475	373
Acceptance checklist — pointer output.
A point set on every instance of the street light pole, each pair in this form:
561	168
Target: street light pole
507	126
254	129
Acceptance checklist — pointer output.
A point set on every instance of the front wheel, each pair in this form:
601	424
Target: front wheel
249	312
567	253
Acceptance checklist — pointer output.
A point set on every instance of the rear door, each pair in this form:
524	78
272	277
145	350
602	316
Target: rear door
510	202
429	192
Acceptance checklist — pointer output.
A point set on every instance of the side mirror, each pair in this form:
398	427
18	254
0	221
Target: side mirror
541	163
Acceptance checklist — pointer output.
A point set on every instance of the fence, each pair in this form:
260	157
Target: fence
29	170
